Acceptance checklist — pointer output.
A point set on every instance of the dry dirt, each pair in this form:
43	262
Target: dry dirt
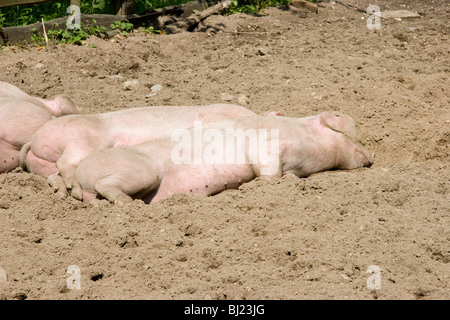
310	238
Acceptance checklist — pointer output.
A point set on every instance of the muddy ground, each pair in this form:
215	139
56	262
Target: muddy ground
309	238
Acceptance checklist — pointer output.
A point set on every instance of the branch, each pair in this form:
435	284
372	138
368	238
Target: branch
305	4
194	19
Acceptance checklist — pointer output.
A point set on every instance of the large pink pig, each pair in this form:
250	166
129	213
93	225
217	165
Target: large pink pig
56	107
61	144
20	116
222	155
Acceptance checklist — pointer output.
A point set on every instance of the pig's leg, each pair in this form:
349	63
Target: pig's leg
112	193
118	188
67	166
76	190
133	177
90	197
50	170
57	183
40	166
30	162
9	156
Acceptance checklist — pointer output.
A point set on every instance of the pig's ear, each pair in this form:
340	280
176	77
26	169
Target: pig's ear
274	114
338	122
65	105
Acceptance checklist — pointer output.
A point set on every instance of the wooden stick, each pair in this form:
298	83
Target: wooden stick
45	33
306	5
196	18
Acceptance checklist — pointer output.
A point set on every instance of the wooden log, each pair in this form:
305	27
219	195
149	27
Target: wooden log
15	35
180	16
305	5
194	19
9	3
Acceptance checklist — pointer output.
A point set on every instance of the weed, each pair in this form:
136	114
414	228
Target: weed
124	26
68	36
151	30
252	6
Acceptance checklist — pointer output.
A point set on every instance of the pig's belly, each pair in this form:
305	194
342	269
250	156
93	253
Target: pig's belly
201	180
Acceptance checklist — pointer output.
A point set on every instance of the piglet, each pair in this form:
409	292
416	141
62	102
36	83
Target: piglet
61	144
209	158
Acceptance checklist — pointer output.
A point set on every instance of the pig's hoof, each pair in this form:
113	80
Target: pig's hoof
123	199
61	194
76	193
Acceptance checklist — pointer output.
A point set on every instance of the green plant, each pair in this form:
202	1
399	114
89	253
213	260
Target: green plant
252	6
95	6
2	20
37	39
95	29
67	36
151	30
74	36
29	14
124	26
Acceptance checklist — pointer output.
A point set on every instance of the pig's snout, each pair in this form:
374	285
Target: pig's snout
364	158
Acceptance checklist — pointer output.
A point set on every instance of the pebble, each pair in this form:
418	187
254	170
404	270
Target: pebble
261	52
226	97
242	99
131	85
412	29
156	88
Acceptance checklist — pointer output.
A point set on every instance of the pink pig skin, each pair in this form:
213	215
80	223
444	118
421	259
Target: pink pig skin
61	144
147	170
20	116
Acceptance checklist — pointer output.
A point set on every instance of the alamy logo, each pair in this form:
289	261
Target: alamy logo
374	281
374	21
74	281
228	146
74	20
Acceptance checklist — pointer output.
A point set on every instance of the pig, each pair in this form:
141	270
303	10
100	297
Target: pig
20	117
153	170
56	107
61	144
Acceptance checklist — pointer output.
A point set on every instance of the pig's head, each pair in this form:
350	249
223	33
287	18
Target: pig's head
349	155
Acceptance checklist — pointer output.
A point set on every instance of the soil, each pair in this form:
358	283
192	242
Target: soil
372	233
